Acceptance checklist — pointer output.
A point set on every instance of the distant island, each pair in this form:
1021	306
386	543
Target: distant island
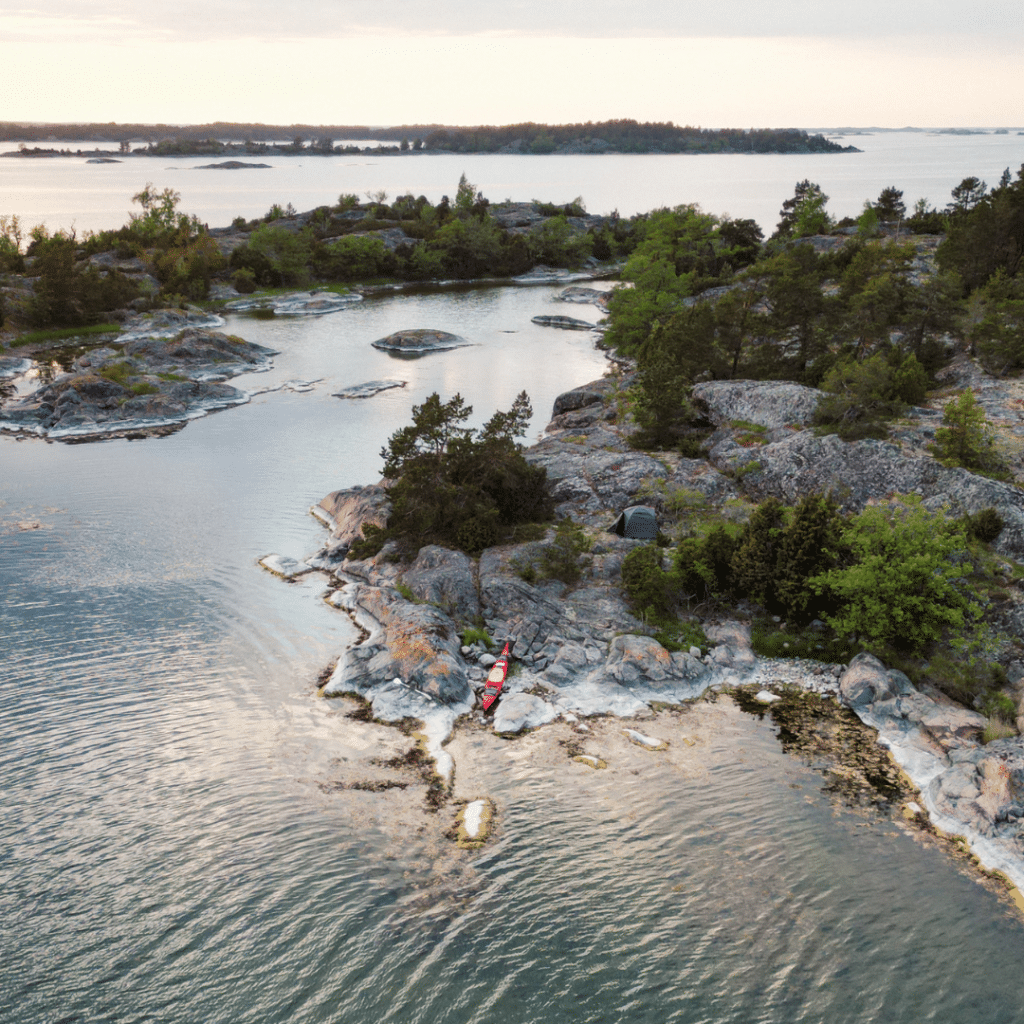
224	138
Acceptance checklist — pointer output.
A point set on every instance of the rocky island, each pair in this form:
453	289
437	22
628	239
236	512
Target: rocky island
581	650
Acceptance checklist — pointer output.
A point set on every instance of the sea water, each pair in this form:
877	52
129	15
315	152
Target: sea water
174	845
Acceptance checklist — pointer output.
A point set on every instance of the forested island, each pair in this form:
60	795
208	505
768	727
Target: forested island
226	138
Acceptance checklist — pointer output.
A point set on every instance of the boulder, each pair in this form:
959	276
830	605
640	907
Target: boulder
866	680
767	403
588	394
519	711
641	665
419	341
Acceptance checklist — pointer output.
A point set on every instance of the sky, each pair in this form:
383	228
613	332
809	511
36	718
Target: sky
712	63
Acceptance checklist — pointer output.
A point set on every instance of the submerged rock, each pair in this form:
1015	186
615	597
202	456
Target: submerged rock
567	322
370	388
297	303
519	711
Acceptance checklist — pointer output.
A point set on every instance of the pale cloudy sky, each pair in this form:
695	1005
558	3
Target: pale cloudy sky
715	63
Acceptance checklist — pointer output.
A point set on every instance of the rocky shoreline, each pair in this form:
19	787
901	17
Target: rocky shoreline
580	651
157	370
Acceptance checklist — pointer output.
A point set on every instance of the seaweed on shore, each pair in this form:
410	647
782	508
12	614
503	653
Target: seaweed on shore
829	736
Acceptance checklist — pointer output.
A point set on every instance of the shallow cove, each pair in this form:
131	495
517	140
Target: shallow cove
167	850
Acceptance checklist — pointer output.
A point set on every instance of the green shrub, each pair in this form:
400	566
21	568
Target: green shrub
906	583
770	640
646	582
475	635
564	558
244	281
861	397
119	373
754	563
810	544
682	636
984	525
966	438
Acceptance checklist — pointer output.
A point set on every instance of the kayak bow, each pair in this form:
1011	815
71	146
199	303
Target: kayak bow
496	678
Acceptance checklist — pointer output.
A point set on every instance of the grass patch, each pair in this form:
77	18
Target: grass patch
770	640
997	729
119	373
475	635
681	636
63	333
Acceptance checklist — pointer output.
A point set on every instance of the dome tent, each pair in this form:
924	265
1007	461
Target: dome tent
638	522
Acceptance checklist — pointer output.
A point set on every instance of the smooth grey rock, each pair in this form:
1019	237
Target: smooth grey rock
519	711
282	565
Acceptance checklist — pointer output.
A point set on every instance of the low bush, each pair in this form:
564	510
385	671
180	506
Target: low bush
772	640
565	557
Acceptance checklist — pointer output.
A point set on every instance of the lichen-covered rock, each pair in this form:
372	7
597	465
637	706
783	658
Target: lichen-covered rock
767	403
415	643
198	346
589	394
345	512
445	578
858	472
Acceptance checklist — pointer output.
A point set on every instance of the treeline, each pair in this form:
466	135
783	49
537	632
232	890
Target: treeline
406	238
863	318
621	136
454	239
628	136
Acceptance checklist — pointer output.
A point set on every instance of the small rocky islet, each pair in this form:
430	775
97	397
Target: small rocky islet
580	651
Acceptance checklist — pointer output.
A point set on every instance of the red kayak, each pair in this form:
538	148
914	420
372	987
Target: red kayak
496	678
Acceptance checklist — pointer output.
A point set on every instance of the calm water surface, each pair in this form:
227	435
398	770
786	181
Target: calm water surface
66	192
168	851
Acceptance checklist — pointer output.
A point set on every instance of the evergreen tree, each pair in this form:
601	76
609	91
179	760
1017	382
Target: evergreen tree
811	544
755	562
966	439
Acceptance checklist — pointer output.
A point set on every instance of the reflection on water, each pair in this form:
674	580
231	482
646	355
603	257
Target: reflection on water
173	846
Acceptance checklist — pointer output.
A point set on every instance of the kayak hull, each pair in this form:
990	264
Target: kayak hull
495	679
